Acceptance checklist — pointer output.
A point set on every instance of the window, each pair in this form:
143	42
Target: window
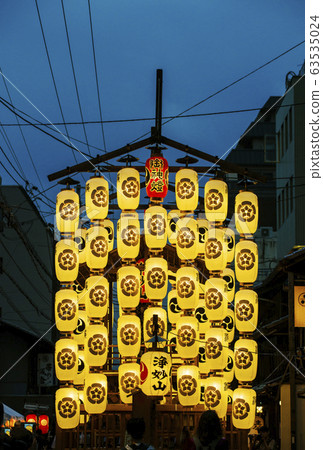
286	132
290	125
278	145
282	138
291	193
270	148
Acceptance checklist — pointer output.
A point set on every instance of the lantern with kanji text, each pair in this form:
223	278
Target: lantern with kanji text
156	177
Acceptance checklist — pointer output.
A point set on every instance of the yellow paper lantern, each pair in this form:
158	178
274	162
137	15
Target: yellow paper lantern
228	324
128	188
243	408
156	278
155	225
155	369
215	250
129	381
186	238
96	249
97	296
201	315
128	236
173	310
203	227
245	359
246	310
66	359
128	286
172	278
66	261
202	361
246	212
79	238
187	337
216	200
82	323
230	396
229	239
246	261
67	211
66	310
96	345
67	408
216	348
187	287
82	369
186	189
129	335
188	385
172	218
229	277
95	393
228	371
97	198
108	225
202	390
216	303
216	395
149	326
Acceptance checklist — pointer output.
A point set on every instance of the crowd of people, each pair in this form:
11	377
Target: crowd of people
22	439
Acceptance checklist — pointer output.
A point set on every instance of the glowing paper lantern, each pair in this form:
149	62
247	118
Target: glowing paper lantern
108	225
31	418
201	315
246	261
203	227
128	286
155	368
149	326
97	198
186	238
155	224
202	362
229	278
228	324
97	296
230	396
129	381
96	345
187	287
243	408
216	395
67	408
216	304
128	235
216	348
156	278
43	423
82	369
215	250
202	390
79	239
186	189
129	335
128	188
245	359
188	385
246	212
216	200
173	310
66	356
67	211
95	393
246	310
187	337
82	323
66	307
156	177
229	239
172	218
66	261
228	371
96	249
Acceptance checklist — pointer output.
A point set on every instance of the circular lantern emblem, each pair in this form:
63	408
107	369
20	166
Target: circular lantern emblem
229	365
80	326
212	396
246	211
201	315
230	281
143	372
228	323
67	407
186	336
244	310
96	393
66	310
213	248
185	188
97	344
130	236
185	287
246	259
156	225
202	358
173	306
80	242
156	278
202	234
213	299
129	334
66	359
130	187
240	408
80	366
129	382
67	260
214	199
150	327
243	358
185	237
301	299
129	285
68	210
98	296
213	348
187	385
99	247
100	197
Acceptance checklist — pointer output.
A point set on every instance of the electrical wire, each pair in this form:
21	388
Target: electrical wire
5	155
11	149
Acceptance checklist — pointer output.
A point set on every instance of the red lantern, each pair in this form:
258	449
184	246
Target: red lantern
43	423
156	177
31	418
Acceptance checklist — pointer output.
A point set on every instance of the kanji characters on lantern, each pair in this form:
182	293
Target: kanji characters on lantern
156	177
155	370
